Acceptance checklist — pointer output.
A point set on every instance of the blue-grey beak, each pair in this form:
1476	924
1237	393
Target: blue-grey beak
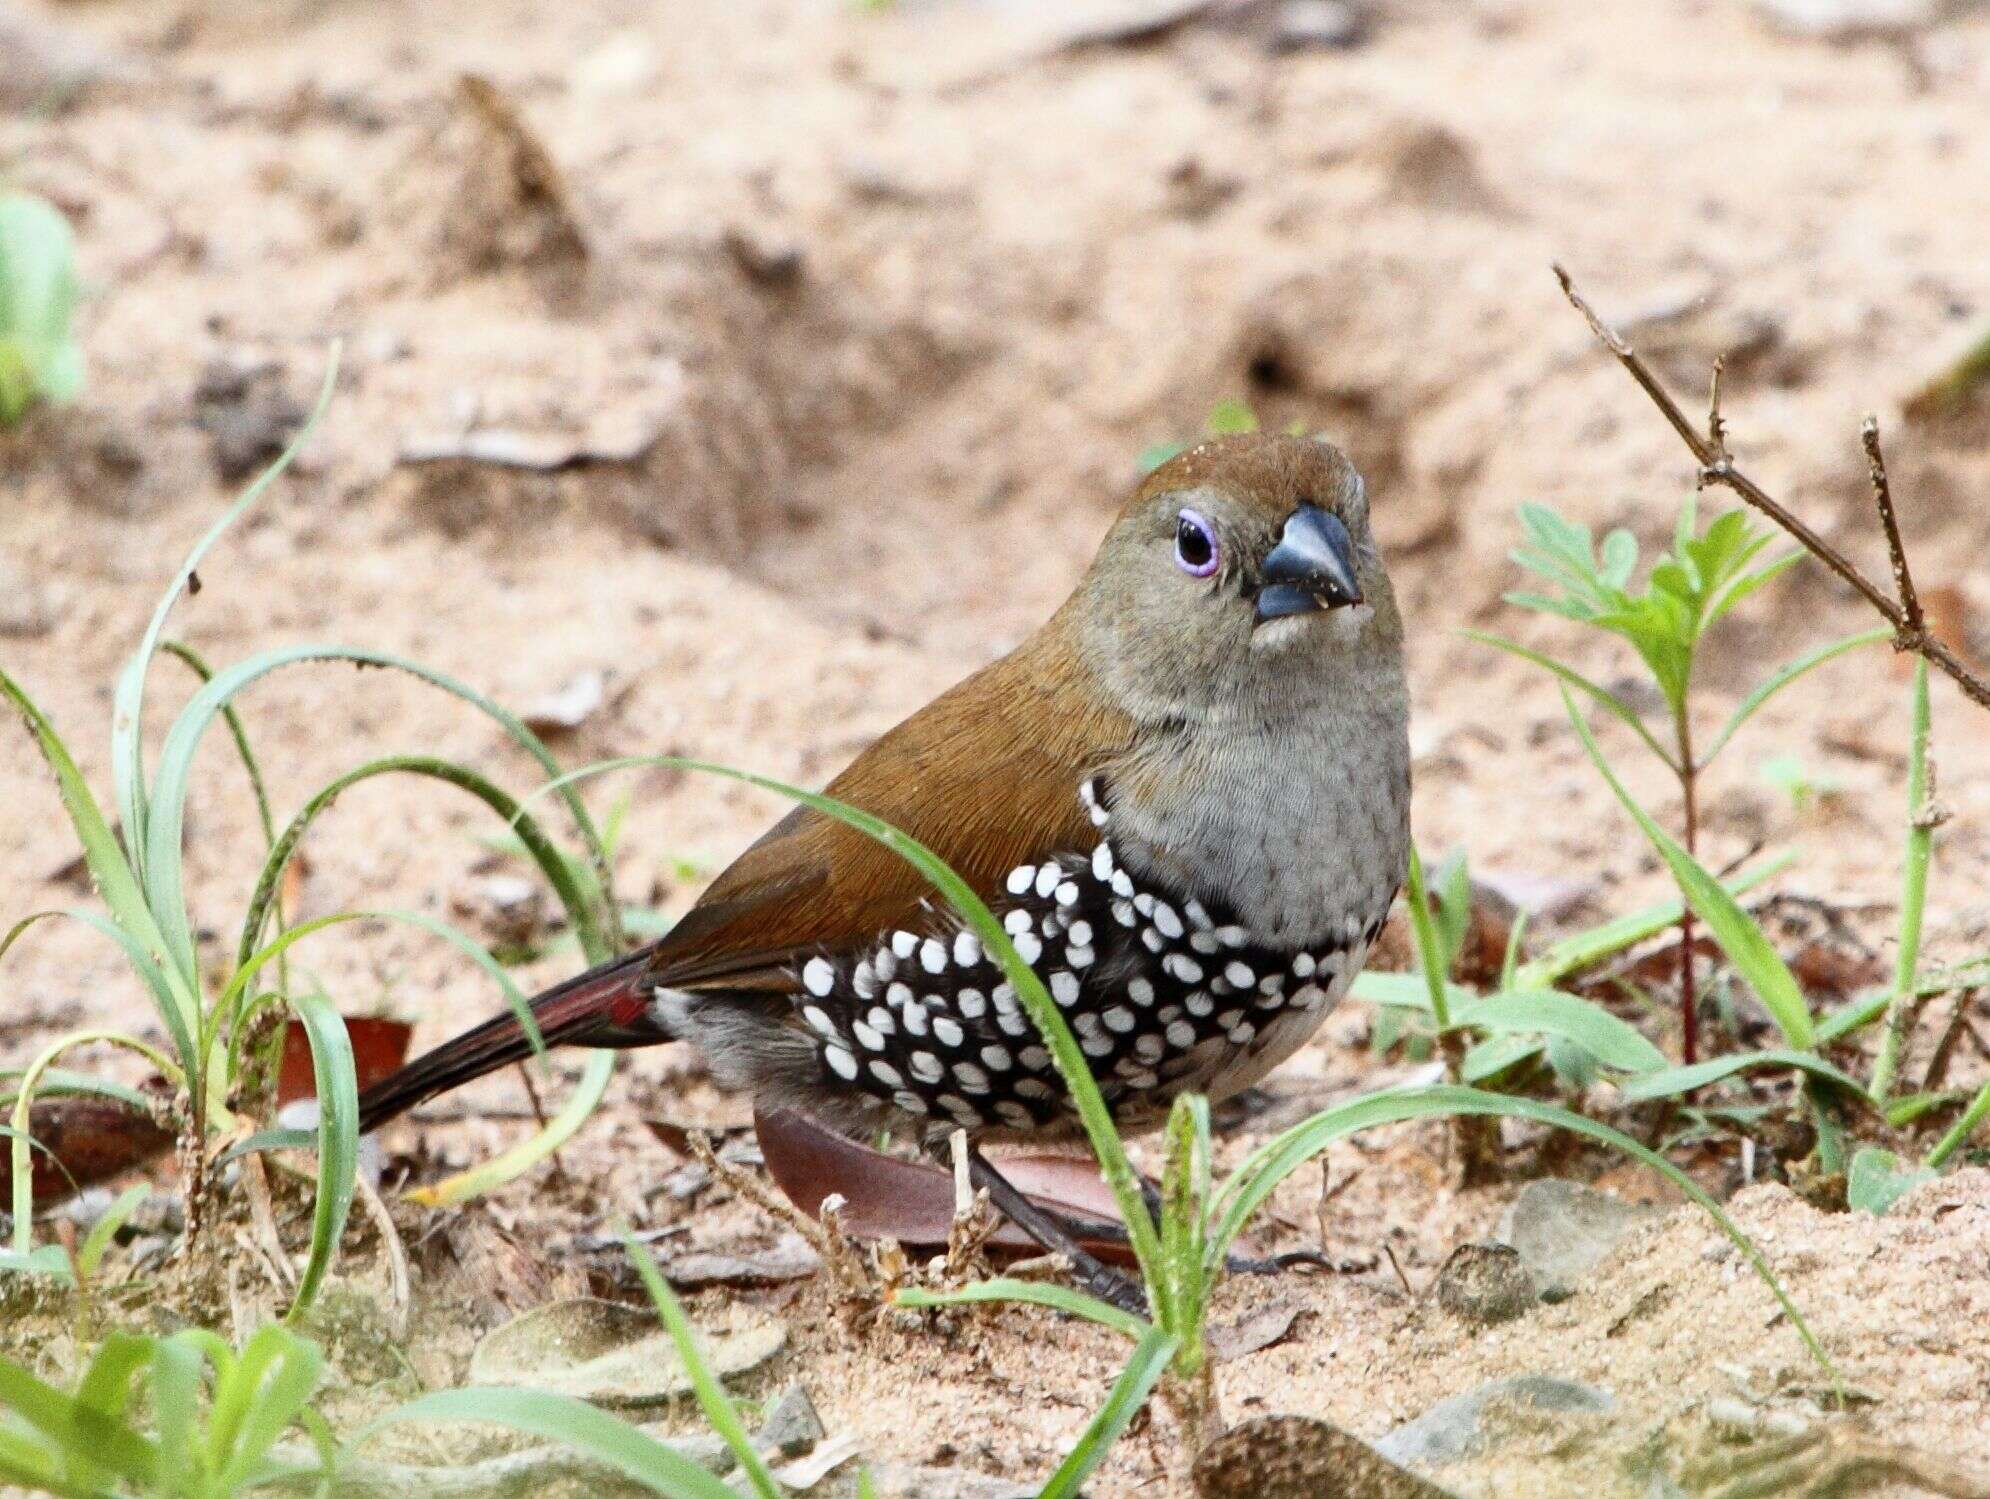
1312	567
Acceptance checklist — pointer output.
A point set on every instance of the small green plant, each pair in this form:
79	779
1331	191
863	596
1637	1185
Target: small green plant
1225	419
217	1013
1688	591
39	356
1806	788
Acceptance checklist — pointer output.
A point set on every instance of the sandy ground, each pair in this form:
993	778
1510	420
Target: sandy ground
831	338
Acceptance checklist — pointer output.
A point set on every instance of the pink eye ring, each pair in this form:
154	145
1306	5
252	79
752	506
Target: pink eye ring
1196	551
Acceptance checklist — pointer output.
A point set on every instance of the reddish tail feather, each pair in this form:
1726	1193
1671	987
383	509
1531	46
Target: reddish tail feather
605	1006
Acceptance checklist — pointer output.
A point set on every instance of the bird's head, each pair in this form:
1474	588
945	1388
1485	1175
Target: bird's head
1243	566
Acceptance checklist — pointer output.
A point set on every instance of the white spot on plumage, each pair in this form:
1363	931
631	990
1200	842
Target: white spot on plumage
933	955
903	944
971	1078
960	1108
1081	933
1079	957
1035	1058
1016	922
909	1101
899	995
1242	1034
1181	1035
1183	967
971	1003
1096	1046
1029	947
1306	996
1239	974
864	980
1228	1019
1047	879
967	949
1166	921
1124	914
1067	893
818	976
1203	942
1198	917
1232	936
1271	983
915	1018
1020	879
1122	884
1119	1018
1143	902
1303	965
1005	998
1140	991
1102	862
1149	1047
818	1019
997	1057
1013	1023
867	1037
840	1062
1151	939
1029	1087
1198	1004
1012	1113
947	1031
926	1067
887	1074
881	1021
885	963
1064	988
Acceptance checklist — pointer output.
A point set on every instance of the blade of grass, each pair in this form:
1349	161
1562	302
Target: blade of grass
1751	953
1670	1081
1604	698
1913	888
1782	678
1129	1392
1950	1143
1430	959
128	699
1252	1182
1549	1012
337	1081
509	1165
570	1422
1058	1298
90	1253
155	979
712	1398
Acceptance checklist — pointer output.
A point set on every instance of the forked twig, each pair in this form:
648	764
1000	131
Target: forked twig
1910	632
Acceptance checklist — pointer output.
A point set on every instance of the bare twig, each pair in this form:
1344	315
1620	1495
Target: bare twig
1717	467
1903	581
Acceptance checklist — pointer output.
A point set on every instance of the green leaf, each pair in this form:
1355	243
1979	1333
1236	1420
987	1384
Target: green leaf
1782	677
1129	1392
1059	1298
90	1253
1669	1082
1549	1012
720	1414
1608	700
1751	953
37	304
1492	1056
256	1402
1430	956
1959	1133
1878	1179
1227	418
337	1081
572	1423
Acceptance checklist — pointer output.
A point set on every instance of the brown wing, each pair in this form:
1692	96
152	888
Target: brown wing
983	784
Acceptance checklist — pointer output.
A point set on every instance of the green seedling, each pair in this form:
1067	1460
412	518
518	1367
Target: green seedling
39	357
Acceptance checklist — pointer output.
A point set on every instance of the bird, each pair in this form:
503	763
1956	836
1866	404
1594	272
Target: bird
1185	796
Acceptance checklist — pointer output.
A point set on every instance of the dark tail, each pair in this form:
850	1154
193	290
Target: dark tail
606	1006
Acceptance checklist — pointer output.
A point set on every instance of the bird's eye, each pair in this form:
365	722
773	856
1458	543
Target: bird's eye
1195	545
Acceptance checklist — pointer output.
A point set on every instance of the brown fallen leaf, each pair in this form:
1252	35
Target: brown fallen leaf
85	1140
1264	1328
789	1258
379	1046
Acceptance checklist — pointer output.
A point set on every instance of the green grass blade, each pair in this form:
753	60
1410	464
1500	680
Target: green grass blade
113	876
27	1464
572	1423
178	1364
1030	993
1430	951
1129	1392
1782	677
157	983
1958	1135
1272	1162
90	1253
1586	949
337	1083
167	817
180	651
1405	991
107	1384
720	1413
1847	1018
59	1082
1058	1298
1549	1012
260	1406
128	699
1607	700
509	1165
1752	954
1670	1081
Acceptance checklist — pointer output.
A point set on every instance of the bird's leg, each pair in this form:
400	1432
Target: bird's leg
1055	1235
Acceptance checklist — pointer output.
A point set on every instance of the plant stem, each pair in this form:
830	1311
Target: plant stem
1913	892
1477	1139
1689	1005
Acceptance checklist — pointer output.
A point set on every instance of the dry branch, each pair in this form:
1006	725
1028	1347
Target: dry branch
1903	614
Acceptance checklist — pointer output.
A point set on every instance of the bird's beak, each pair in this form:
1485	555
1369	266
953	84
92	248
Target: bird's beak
1312	567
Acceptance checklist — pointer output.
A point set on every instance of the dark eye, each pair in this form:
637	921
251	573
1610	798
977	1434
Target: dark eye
1195	545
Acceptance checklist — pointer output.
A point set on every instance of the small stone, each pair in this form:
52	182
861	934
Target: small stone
1562	1230
1455	1428
1298	1457
1319	23
792	1426
1486	1283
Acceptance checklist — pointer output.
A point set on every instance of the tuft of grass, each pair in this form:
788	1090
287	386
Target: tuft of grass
39	356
